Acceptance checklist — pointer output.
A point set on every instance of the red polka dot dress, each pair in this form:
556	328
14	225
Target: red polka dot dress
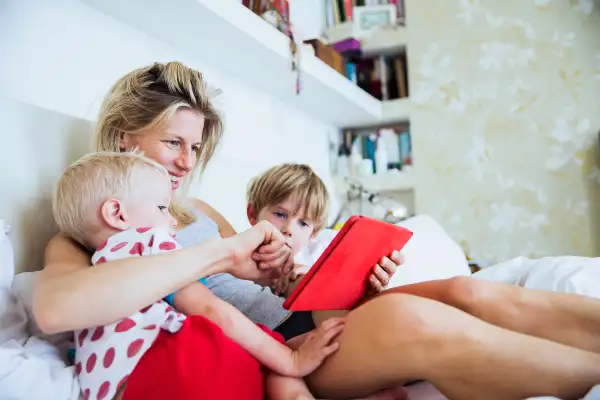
106	355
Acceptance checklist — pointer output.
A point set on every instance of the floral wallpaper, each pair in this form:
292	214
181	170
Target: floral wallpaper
505	117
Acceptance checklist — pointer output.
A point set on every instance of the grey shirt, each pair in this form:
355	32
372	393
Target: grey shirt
256	302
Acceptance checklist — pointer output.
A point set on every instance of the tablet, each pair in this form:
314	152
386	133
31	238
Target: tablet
339	278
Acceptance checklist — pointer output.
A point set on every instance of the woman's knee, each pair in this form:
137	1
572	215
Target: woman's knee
390	339
467	293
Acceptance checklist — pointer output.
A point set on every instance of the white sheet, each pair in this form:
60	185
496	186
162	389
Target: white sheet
567	274
30	368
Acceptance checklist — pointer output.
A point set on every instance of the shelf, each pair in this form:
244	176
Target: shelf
234	40
389	182
392	112
386	40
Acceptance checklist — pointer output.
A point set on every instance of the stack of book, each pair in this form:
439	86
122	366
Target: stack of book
339	11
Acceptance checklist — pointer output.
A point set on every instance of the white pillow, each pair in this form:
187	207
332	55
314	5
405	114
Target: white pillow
23	288
430	254
7	260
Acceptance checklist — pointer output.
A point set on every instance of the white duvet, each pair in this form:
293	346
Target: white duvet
32	365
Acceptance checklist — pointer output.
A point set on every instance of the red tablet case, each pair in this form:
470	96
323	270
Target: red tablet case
338	280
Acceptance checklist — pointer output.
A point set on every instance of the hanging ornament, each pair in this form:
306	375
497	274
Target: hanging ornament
284	25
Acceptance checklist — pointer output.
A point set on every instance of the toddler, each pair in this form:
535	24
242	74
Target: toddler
118	204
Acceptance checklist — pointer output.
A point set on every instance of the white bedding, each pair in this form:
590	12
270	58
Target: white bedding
32	367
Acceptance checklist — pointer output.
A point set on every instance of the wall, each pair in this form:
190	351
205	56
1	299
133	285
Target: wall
505	119
63	56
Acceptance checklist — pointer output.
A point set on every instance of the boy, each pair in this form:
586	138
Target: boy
118	203
295	200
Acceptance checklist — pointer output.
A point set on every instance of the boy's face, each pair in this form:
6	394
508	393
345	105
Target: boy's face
148	204
297	228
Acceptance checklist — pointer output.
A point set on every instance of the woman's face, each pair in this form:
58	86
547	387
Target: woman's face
175	145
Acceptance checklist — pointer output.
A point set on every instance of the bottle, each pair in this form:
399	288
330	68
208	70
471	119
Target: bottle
381	158
343	163
355	160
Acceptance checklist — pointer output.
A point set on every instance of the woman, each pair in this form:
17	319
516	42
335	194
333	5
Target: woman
164	110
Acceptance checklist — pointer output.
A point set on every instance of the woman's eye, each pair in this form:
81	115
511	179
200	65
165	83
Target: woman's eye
162	208
172	143
196	149
304	224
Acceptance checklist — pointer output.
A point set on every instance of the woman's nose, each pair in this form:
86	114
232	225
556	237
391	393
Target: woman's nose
186	160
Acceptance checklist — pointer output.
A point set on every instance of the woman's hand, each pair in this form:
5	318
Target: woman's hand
383	272
260	253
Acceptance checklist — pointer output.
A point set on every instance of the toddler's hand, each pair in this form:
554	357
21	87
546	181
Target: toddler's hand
318	345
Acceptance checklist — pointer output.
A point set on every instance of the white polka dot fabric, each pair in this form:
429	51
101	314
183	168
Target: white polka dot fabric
106	355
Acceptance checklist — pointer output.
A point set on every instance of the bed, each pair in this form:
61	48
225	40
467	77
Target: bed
33	365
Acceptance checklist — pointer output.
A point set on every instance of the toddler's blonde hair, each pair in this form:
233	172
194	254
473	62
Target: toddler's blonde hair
87	183
291	181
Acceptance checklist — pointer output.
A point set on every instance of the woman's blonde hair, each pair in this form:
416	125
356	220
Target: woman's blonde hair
147	98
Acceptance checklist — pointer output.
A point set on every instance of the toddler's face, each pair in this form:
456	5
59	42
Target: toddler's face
297	228
148	205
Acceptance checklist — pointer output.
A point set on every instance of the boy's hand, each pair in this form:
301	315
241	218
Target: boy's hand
317	346
383	272
274	256
260	252
281	285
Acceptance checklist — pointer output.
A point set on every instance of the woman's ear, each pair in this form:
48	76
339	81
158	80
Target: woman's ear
114	215
251	215
124	141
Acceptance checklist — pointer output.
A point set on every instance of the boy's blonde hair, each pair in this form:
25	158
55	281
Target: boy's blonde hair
295	181
148	97
87	183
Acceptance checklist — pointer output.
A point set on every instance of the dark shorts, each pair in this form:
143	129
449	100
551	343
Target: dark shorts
298	323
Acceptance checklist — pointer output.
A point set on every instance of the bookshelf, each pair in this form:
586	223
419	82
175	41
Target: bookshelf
386	40
231	38
393	181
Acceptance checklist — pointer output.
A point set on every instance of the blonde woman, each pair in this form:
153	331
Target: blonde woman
166	112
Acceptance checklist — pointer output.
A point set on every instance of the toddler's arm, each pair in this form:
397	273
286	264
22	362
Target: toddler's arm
280	387
197	299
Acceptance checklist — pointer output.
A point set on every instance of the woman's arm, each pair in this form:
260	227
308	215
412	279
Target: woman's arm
70	295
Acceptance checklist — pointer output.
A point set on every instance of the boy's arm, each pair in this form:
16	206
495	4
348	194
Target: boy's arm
197	299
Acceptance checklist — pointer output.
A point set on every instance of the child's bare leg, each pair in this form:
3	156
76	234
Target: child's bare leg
398	337
285	388
561	317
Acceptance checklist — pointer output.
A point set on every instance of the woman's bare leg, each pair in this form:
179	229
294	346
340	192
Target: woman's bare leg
565	318
398	337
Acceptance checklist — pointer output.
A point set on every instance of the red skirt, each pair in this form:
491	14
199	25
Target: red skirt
197	362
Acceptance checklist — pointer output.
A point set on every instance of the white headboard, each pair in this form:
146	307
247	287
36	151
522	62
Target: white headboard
36	146
51	68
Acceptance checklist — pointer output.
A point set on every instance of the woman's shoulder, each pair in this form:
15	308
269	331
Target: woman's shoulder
225	228
62	249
